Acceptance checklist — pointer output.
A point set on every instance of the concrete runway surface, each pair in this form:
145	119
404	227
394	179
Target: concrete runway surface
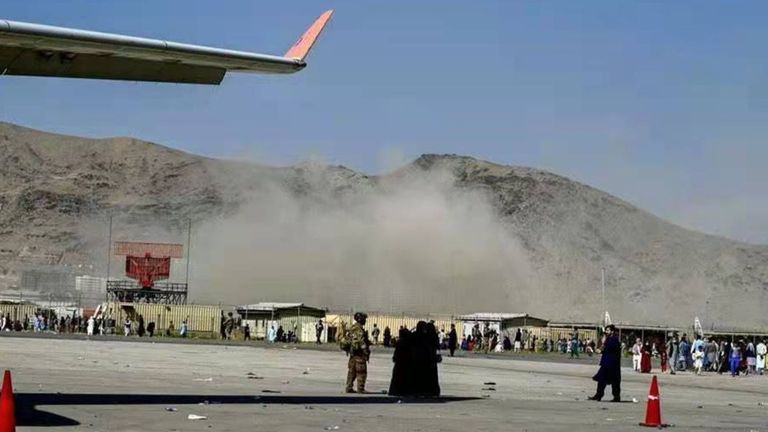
68	385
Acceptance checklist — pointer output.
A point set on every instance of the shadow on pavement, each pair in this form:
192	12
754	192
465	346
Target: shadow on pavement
27	413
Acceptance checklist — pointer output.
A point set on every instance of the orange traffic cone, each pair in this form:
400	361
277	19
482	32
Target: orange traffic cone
7	405
653	412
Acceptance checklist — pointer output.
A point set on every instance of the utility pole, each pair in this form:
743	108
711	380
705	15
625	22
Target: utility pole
602	284
189	249
109	246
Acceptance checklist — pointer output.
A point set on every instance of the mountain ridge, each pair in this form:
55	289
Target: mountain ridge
51	184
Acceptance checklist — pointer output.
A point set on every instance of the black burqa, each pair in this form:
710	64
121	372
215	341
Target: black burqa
387	337
141	329
431	344
402	373
453	340
415	370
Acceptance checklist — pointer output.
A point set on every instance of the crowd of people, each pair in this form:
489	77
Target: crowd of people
73	324
700	355
672	354
489	340
44	323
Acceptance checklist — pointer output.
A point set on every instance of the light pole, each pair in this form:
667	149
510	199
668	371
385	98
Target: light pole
602	285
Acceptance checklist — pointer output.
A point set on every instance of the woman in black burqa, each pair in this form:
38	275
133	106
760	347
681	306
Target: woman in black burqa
432	345
402	376
415	370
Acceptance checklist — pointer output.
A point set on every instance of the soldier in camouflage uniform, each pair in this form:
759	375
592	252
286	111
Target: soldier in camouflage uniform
359	353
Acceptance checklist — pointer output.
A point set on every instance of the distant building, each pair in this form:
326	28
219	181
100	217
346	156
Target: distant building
298	316
500	322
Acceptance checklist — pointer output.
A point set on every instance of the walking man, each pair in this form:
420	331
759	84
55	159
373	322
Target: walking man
453	339
375	334
359	353
319	331
610	367
229	325
673	353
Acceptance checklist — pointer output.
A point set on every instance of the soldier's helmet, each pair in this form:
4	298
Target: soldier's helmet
360	316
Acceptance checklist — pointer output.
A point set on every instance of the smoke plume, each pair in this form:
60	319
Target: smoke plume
412	242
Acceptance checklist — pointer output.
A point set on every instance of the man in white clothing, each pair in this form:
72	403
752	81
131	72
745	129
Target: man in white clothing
761	351
637	351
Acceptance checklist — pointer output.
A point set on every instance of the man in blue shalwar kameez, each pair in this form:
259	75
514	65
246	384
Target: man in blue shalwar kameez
610	367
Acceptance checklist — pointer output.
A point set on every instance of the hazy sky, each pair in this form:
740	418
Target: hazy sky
661	103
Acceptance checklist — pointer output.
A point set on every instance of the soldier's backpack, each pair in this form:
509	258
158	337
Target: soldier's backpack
345	343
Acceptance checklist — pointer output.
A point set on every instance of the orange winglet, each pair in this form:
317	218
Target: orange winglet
301	48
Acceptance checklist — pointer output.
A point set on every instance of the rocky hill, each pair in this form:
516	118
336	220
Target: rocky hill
445	233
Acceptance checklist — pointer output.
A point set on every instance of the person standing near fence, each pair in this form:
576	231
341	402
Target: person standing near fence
637	349
761	351
735	358
91	324
319	331
375	334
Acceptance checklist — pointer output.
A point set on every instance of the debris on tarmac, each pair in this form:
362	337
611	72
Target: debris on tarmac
331	428
171	409
489	383
209	379
196	417
271	391
488	389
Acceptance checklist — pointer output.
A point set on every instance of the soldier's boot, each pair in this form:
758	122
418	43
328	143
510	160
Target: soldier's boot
361	378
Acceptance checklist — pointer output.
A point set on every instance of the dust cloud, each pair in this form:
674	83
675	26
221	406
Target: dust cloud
400	243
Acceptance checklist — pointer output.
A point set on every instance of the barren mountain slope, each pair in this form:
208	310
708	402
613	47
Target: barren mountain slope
655	271
53	188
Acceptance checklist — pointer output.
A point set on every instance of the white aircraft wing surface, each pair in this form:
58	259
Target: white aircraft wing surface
41	50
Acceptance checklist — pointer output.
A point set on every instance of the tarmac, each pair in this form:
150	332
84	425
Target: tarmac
109	385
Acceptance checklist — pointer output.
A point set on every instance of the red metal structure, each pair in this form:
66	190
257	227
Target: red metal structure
147	263
147	269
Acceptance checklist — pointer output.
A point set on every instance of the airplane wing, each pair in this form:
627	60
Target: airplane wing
41	50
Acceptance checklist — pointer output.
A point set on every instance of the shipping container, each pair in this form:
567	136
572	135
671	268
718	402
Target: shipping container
200	318
19	311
